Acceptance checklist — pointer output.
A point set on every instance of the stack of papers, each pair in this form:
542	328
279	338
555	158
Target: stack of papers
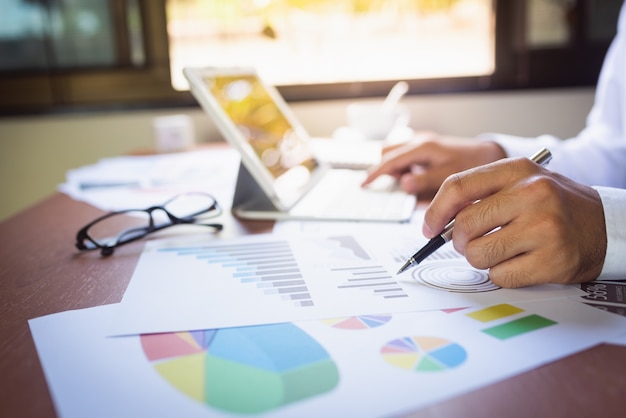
310	320
136	182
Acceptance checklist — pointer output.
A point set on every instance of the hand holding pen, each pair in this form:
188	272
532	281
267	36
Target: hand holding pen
541	157
526	224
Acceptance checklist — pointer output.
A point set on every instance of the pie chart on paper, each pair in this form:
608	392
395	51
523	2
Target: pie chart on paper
358	322
423	354
243	370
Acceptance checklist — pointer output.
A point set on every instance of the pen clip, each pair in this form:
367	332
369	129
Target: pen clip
542	157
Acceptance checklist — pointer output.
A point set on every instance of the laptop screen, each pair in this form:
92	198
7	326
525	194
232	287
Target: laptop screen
284	152
254	118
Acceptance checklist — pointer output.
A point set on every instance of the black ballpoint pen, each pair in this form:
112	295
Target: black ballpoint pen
541	157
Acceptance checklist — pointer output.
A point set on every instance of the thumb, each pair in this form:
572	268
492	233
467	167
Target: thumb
422	180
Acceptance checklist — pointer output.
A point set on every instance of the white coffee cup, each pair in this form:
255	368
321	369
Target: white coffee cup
373	121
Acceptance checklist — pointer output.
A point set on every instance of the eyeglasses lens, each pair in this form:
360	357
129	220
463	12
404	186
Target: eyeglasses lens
189	205
119	228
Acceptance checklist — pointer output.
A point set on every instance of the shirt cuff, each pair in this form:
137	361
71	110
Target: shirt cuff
614	203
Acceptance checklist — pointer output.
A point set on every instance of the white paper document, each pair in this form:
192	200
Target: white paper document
136	182
263	279
365	366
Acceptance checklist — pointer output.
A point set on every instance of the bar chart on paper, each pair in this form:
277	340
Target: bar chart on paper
269	266
265	279
274	270
360	273
374	279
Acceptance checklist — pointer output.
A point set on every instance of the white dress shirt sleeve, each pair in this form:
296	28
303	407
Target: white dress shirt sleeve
613	201
597	155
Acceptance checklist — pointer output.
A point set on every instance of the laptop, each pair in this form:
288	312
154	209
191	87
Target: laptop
280	176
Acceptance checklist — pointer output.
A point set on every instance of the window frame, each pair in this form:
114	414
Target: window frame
124	86
149	86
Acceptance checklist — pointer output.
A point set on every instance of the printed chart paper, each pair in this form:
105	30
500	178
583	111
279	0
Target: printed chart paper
263	279
606	295
609	296
366	366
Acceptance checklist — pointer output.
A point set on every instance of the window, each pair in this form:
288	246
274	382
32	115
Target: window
68	54
77	36
58	55
296	42
563	42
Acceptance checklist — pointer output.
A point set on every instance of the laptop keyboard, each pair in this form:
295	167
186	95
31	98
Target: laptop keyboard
339	195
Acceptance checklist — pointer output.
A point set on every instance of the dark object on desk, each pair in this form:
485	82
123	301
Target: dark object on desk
119	228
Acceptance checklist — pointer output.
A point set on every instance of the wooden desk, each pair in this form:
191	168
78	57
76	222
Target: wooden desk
41	273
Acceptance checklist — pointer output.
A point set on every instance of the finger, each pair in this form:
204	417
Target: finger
528	269
423	180
394	163
398	160
512	263
462	189
547	258
522	253
490	223
516	272
497	246
527	214
389	148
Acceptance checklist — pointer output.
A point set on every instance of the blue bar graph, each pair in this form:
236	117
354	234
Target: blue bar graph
270	266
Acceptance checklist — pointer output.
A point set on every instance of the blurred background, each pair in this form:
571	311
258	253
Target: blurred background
85	79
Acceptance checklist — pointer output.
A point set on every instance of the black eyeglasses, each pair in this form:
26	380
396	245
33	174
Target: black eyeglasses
122	227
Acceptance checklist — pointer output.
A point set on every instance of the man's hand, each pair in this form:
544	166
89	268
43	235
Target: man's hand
525	224
423	164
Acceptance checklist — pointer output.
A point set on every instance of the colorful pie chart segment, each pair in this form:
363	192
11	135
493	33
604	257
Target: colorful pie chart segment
243	370
423	354
358	322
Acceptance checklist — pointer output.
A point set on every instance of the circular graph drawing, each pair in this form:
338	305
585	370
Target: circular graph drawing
454	276
423	354
358	322
245	370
